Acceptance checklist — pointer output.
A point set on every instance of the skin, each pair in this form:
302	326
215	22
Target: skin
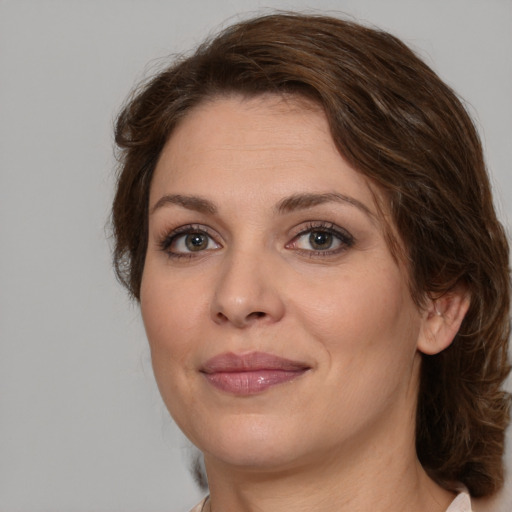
341	436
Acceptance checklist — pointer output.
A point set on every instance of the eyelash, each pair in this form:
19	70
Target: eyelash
345	239
170	238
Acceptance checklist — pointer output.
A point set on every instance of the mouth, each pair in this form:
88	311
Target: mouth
252	373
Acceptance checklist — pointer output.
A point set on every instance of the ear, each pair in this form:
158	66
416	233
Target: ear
442	319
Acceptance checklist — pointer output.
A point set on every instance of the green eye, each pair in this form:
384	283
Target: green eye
196	241
188	240
321	240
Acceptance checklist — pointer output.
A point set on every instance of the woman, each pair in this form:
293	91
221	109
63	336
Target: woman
304	214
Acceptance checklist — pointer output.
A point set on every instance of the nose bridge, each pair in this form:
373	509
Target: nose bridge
246	289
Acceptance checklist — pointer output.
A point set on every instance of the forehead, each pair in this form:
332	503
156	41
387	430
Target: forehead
271	141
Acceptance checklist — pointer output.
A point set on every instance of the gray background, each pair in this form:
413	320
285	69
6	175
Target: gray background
82	427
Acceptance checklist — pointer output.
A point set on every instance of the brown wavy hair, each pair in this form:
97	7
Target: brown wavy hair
397	123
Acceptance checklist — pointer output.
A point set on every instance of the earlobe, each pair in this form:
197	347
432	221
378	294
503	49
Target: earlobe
442	320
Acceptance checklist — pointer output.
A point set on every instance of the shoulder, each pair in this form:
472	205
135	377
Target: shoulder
461	503
199	506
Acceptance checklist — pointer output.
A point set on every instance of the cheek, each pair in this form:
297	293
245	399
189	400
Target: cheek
165	318
168	315
169	308
366	317
368	335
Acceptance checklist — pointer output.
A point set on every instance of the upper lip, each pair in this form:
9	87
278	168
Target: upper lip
253	361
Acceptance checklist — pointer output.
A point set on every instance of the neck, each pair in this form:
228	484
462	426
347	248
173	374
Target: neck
390	485
378	471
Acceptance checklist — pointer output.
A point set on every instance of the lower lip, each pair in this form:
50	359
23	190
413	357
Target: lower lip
251	382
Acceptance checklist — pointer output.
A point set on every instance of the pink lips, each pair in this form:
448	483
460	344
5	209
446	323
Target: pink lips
251	373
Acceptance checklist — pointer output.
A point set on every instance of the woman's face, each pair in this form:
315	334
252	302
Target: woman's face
282	330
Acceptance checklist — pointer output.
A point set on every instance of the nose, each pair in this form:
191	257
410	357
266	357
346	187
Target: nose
247	292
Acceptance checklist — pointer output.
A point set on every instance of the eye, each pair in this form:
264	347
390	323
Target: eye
322	240
317	240
188	240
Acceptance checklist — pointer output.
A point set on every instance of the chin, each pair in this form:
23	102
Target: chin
254	443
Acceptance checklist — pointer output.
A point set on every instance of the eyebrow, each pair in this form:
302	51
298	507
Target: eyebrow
196	203
304	201
288	204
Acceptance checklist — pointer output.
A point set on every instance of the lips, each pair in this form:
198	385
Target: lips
252	373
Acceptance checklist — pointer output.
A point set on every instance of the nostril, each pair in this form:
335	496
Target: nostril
257	314
241	321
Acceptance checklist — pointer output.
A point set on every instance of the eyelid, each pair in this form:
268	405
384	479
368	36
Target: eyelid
166	240
346	239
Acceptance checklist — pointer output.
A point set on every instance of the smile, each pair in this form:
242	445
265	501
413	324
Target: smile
252	373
